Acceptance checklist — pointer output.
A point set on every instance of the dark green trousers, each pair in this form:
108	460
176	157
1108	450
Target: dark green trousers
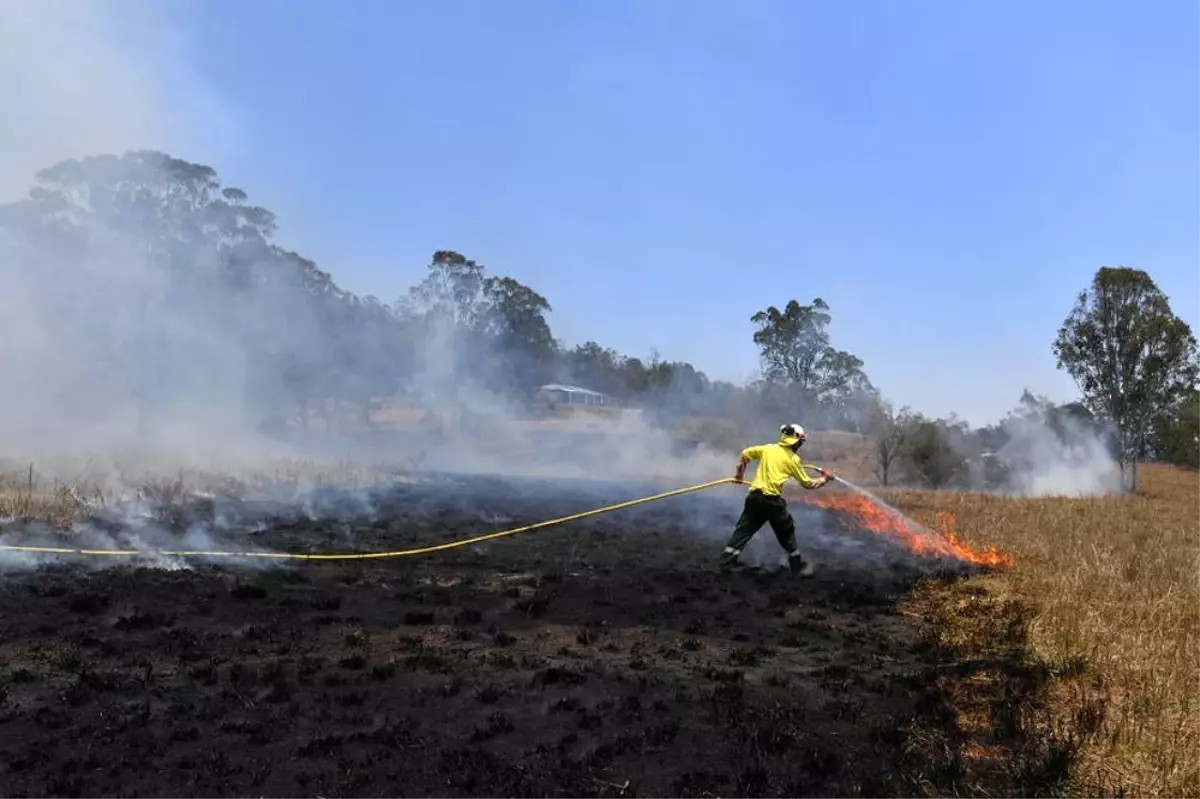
762	509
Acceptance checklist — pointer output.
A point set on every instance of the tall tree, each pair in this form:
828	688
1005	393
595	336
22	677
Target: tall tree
453	291
889	430
1131	356
168	285
795	348
521	337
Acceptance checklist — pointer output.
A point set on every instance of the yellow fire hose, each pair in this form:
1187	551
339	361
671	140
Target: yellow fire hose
401	553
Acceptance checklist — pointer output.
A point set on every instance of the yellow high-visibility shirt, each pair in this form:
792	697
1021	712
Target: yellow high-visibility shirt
776	463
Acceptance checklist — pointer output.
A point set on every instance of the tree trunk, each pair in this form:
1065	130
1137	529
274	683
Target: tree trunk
1138	454
1125	463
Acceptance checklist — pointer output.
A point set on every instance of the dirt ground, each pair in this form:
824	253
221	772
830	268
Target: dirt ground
603	658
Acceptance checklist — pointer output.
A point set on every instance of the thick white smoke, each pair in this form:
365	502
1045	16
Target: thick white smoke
77	80
125	360
1050	452
481	430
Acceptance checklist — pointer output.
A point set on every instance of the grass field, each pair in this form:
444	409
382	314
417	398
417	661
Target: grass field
605	658
1102	610
1079	666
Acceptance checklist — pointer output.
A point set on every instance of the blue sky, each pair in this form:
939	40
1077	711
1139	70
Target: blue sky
946	175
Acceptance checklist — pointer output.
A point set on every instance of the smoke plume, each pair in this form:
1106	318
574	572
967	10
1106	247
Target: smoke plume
152	324
86	318
1050	450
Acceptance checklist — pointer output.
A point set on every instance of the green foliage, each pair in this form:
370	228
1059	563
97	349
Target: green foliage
211	264
184	267
1131	356
1176	436
517	316
217	268
493	328
936	450
452	293
795	347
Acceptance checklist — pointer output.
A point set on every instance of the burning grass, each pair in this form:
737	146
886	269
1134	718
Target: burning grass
870	514
1104	592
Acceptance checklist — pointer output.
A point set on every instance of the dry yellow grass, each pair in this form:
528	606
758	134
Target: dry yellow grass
1112	588
23	496
26	494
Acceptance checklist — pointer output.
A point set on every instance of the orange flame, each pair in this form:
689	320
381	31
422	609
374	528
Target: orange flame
916	539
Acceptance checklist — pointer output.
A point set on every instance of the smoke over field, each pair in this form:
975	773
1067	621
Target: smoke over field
542	662
233	492
1044	450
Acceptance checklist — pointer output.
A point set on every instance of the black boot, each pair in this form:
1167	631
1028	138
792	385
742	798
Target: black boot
800	566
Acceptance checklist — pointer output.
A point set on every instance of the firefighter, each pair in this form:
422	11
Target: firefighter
765	503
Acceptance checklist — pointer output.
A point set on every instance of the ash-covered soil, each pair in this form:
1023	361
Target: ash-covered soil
602	658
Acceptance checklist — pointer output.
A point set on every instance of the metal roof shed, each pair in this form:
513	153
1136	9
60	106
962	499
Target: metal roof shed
572	395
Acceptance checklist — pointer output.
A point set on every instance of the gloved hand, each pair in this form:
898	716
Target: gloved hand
828	475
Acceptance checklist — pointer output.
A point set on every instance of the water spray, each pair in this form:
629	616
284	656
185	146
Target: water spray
879	517
873	498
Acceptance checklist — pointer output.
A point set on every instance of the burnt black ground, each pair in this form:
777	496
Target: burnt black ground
606	658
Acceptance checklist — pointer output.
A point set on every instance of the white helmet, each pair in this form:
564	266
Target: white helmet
791	434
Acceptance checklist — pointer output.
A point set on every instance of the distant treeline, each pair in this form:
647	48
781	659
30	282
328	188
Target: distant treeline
150	284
